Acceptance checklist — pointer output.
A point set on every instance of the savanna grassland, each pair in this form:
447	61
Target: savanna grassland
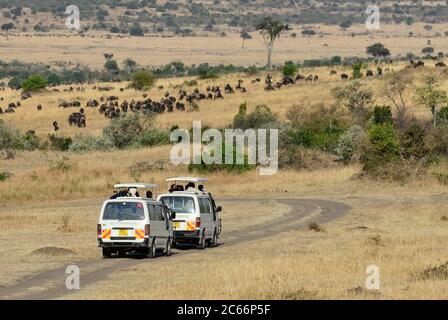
49	205
376	146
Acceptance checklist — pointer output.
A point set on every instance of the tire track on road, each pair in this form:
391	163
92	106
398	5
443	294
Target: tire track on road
50	284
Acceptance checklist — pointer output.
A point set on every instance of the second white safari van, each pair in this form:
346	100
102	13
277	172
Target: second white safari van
197	219
135	224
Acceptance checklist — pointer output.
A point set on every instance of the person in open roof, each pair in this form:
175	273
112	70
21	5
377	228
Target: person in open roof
120	194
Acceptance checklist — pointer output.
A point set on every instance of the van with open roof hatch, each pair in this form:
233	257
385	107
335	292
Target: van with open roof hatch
134	223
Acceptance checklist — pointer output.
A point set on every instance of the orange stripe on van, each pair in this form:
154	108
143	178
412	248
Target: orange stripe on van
106	234
139	233
191	226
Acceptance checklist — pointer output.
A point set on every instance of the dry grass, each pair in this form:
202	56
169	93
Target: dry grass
216	50
305	264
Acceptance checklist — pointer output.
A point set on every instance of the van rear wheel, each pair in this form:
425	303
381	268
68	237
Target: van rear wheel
214	241
168	248
107	253
152	250
202	244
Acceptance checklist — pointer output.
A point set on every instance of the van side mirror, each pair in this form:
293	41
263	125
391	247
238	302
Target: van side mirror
219	209
172	215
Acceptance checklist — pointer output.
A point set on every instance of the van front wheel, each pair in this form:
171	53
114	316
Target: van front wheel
152	252
107	253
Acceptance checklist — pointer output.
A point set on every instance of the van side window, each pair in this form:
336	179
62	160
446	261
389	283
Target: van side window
159	213
204	205
152	212
207	205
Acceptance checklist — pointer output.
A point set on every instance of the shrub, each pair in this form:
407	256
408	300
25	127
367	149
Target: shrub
61	164
33	83
84	143
349	143
357	70
382	115
413	142
382	147
436	141
30	141
153	137
300	158
5	175
319	129
355	98
9	137
289	69
142	80
231	168
59	143
123	131
261	117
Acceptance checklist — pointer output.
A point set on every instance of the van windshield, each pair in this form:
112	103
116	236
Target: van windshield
179	204
124	211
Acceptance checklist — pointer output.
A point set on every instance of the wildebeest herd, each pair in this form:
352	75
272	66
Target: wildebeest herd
111	108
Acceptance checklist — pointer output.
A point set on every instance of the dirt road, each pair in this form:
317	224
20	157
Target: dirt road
51	284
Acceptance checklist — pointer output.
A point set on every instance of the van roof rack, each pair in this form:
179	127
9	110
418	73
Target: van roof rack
187	179
136	185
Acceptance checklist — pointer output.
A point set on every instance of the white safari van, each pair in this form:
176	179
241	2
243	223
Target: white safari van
197	218
132	223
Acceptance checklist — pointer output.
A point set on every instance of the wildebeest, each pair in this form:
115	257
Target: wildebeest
1	110
379	71
441	64
369	73
417	64
55	125
25	96
92	103
39	107
344	76
65	104
77	118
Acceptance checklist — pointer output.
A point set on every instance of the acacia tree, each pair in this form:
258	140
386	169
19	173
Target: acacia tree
245	36
431	96
378	50
271	30
396	90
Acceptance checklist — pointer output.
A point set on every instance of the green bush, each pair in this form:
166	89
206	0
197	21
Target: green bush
59	143
262	117
9	137
33	83
153	137
357	70
319	129
142	80
382	147
230	168
84	143
350	143
382	115
413	142
5	175
30	141
289	69
124	131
